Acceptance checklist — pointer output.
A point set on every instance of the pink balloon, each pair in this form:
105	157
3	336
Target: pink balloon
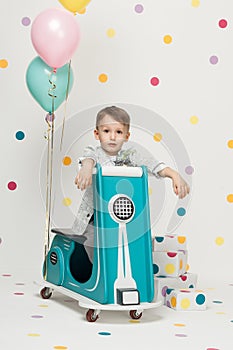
55	36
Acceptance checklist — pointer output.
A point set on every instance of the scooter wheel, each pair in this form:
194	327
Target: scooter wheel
46	293
91	316
135	315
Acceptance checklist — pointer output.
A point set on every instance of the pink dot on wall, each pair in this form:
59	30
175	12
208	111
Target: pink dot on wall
139	8
26	21
12	185
213	59
154	81
222	23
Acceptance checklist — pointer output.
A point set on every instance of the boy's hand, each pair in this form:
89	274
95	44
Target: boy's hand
180	186
84	177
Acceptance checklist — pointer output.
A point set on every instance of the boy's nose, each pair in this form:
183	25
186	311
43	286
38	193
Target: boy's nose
113	136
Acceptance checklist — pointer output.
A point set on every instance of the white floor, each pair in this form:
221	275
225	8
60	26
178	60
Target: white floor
31	323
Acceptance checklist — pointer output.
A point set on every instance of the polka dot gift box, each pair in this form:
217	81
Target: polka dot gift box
186	299
169	242
162	283
172	263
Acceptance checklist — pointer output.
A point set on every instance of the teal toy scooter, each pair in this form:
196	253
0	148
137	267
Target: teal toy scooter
121	276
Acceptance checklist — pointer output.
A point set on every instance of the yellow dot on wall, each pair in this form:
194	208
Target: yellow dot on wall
66	160
150	191
196	3
185	303
3	63
187	267
103	78
181	264
59	347
157	137
194	120
219	240
230	198
230	143
111	33
167	39
66	201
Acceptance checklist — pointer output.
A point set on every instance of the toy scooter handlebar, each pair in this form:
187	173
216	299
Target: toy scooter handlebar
121	171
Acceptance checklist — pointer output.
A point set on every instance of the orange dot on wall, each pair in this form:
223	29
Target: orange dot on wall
103	78
230	143
230	198
3	63
66	161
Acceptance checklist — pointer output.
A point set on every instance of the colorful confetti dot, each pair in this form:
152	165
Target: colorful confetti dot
181	335
157	137
194	119
213	59
167	39
103	78
181	211
6	275
189	170
18	293
60	347
12	185
217	301
26	21
67	201
104	333
230	198
154	81
3	63
219	240
230	143
33	335
179	325
66	161
138	8
111	33
222	23
19	135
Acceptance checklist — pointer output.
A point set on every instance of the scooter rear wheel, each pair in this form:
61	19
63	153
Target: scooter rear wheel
135	315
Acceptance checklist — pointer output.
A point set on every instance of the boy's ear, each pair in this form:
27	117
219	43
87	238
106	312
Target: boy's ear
96	134
127	136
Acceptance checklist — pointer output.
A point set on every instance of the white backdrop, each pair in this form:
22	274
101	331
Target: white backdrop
186	46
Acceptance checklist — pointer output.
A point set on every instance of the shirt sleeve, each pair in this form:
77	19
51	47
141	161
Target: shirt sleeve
153	166
89	152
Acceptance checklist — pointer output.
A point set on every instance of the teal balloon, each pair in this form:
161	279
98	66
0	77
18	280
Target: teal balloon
48	88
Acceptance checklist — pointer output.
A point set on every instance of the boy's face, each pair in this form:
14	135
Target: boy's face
111	135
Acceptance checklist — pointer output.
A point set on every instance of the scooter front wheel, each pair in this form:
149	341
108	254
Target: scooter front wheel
46	293
91	315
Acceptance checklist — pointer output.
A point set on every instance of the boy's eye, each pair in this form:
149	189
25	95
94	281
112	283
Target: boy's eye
119	132
105	130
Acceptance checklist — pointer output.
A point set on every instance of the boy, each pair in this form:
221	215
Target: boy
112	130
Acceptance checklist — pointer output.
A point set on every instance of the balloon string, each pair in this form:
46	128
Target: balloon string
67	94
49	177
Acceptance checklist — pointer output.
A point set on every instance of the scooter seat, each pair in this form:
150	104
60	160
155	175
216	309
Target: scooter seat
69	233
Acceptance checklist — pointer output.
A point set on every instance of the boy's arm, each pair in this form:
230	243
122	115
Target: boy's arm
180	186
84	177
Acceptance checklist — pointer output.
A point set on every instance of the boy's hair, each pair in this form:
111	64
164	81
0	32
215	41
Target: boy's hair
117	113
